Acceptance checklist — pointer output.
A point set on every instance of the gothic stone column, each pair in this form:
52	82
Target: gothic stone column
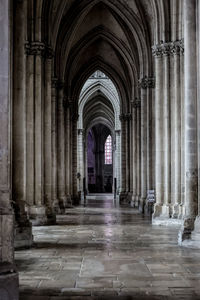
134	150
38	50
138	141
48	202
54	100
191	155
122	192
61	149
162	133
67	155
23	230
176	111
145	84
8	276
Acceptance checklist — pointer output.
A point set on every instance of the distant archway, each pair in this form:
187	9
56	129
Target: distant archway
99	110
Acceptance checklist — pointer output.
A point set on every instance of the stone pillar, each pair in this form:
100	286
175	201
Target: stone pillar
61	149
138	141
37	209
81	163
191	155
75	195
23	231
48	202
128	118
166	132
145	84
54	100
134	151
118	161
29	128
159	157
130	137
67	156
177	51
8	276
123	195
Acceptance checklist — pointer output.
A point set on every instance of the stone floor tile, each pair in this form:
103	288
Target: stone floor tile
109	254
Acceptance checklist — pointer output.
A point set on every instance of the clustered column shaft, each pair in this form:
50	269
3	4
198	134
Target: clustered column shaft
167	150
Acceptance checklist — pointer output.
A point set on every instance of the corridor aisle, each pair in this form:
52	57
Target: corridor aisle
103	252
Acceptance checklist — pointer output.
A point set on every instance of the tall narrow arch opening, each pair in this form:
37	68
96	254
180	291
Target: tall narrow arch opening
99	136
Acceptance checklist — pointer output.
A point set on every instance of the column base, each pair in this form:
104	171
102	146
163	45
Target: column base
39	216
161	215
123	198
133	200
129	197
68	202
137	200
23	236
9	282
142	203
56	206
176	211
189	235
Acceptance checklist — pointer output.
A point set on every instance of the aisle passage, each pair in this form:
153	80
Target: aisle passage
103	252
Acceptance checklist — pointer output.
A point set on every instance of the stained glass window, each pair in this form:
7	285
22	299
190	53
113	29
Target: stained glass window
108	151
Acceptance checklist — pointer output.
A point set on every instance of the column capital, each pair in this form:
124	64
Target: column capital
177	47
35	48
146	82
168	48
136	103
38	48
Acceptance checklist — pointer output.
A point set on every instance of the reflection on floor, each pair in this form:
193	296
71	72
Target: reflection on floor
103	252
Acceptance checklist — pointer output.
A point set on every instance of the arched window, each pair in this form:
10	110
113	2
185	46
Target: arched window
108	151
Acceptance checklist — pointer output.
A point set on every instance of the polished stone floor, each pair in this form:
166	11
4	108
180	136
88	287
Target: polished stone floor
101	251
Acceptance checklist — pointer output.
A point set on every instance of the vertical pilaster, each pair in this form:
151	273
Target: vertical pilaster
9	284
23	232
67	155
159	157
145	85
128	118
6	212
123	158
177	51
138	138
166	132
54	100
48	202
61	148
134	150
190	93
74	156
30	129
37	211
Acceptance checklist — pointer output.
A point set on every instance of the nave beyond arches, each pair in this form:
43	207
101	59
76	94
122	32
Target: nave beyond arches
69	67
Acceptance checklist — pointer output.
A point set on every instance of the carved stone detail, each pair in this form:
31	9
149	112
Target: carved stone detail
170	48
39	48
147	82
